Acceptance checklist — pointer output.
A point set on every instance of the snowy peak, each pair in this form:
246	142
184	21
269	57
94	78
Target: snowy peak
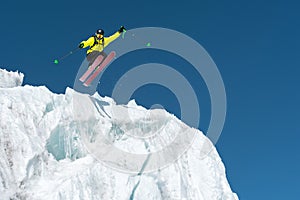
10	79
74	146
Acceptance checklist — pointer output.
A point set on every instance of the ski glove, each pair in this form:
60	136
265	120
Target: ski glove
121	30
81	45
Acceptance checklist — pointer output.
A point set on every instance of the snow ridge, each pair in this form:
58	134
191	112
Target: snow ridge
10	79
44	156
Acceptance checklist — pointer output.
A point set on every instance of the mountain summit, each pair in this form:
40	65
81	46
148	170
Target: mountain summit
75	146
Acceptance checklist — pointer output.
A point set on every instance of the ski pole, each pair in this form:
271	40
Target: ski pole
123	34
56	61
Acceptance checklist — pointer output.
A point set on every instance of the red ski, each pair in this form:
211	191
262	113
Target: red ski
91	68
106	61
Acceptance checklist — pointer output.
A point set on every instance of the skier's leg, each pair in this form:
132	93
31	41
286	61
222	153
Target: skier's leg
104	56
91	57
94	58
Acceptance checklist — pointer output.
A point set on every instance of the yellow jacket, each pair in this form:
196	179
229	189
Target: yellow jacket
97	44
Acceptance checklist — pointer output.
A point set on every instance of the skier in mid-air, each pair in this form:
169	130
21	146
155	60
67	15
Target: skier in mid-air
96	57
97	43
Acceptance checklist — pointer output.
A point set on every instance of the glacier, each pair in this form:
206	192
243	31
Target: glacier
51	147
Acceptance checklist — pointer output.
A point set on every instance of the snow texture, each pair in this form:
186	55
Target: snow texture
10	79
43	156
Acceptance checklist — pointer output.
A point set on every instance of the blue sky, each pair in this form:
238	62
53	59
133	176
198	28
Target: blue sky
255	45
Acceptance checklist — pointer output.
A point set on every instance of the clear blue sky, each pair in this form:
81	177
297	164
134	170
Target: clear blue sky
255	45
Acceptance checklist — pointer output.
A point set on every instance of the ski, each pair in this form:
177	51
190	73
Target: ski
91	68
106	61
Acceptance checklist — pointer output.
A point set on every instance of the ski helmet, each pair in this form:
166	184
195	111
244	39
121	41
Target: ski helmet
100	31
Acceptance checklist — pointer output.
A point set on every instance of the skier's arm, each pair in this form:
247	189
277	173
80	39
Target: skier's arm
112	38
87	43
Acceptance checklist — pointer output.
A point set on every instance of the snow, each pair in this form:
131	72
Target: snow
10	79
45	154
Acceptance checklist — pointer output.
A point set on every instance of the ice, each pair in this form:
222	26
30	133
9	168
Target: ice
10	79
50	145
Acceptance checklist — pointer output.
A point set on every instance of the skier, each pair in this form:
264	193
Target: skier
97	43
